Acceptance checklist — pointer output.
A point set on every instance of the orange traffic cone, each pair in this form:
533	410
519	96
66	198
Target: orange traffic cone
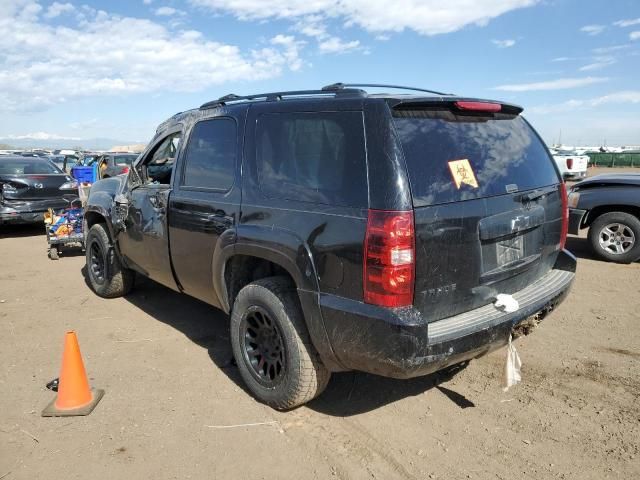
74	396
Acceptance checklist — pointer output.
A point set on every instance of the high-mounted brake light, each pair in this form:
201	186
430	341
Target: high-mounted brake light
479	106
389	258
569	163
564	229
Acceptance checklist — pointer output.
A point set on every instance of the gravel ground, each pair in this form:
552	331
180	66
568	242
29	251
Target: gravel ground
164	361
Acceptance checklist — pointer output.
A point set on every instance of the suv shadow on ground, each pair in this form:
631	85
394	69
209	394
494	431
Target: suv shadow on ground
580	248
348	393
22	230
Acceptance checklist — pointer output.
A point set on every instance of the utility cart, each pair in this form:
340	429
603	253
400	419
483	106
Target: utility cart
66	227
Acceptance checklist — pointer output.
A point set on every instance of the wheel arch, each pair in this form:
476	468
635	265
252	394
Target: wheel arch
600	210
274	253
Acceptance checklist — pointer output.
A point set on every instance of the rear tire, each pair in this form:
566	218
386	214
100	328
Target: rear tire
271	345
107	277
615	236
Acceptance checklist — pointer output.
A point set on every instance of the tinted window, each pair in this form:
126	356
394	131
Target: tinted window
211	154
502	152
125	159
313	157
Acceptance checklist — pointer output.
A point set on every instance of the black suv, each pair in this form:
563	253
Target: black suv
342	230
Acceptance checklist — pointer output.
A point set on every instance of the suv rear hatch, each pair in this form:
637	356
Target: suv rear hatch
487	202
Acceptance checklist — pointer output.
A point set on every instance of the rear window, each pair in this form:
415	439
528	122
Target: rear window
461	157
28	166
316	157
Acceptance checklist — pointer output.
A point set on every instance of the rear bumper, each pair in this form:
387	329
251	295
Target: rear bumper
28	212
574	175
401	344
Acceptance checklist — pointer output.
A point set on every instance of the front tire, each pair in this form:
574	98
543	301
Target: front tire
271	345
615	236
107	276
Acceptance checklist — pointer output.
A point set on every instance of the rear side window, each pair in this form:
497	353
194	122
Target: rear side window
211	155
454	157
314	157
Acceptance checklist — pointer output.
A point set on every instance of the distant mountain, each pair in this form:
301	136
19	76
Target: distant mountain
54	142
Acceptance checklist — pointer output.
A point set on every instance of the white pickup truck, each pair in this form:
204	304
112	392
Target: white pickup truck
570	164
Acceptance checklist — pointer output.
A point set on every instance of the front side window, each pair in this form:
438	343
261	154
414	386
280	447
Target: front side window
160	161
211	155
313	157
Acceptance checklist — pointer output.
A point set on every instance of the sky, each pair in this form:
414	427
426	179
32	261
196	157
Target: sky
116	69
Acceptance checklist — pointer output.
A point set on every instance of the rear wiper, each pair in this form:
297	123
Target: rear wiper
536	194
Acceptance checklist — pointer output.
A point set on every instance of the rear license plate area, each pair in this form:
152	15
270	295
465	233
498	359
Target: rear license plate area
503	253
509	250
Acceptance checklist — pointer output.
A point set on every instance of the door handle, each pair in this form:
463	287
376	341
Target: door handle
217	217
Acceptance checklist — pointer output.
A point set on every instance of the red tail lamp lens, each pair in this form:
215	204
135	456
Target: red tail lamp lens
389	258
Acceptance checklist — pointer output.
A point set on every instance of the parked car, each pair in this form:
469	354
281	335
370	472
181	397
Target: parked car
571	164
342	230
112	164
64	162
609	206
29	186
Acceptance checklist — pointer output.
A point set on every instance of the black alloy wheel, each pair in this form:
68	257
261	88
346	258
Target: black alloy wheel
263	346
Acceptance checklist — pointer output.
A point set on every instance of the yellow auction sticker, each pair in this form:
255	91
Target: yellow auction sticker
462	172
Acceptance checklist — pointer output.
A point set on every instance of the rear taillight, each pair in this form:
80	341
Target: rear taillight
565	215
389	258
125	170
479	106
569	163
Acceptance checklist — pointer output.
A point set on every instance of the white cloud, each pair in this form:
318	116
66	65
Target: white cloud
147	2
561	59
291	52
625	96
426	17
313	26
627	23
613	48
634	35
42	65
56	9
504	43
558	84
593	29
599	63
40	136
168	12
337	45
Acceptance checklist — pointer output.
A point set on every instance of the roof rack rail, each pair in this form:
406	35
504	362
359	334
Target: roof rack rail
340	86
276	96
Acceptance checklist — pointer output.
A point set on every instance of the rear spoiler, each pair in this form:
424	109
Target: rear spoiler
457	105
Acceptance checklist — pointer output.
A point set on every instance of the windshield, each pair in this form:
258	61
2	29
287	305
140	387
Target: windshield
453	157
28	166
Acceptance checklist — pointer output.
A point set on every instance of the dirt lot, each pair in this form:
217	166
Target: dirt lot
164	361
